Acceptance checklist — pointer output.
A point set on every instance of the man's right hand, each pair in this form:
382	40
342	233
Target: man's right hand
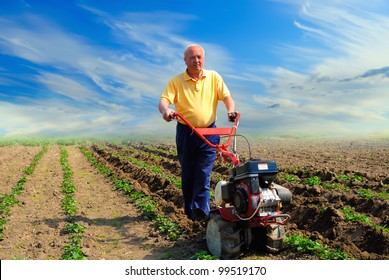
168	115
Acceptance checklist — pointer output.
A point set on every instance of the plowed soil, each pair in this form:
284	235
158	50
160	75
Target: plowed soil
352	174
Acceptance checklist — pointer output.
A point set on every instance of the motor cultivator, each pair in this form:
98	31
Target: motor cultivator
249	205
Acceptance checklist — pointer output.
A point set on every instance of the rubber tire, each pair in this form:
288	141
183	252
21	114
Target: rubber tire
223	239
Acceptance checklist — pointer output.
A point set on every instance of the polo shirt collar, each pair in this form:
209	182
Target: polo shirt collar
187	77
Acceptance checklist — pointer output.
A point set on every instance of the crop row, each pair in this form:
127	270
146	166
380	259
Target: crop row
154	168
8	200
337	189
73	249
145	203
303	244
141	159
360	202
340	182
343	182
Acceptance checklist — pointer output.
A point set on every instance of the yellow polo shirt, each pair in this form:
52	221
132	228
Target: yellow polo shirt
196	100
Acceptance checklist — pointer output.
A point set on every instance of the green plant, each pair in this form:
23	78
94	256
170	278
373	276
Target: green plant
383	195
3	221
123	185
289	177
358	178
379	227
333	186
166	225
166	256
19	258
73	250
313	181
305	245
352	216
368	193
203	255
291	169
6	202
147	205
68	186
136	195
74	228
69	205
102	168
35	161
343	177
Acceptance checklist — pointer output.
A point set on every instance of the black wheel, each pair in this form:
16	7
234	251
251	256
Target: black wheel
224	239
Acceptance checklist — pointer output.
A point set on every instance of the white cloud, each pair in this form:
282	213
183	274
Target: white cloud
40	41
117	84
332	79
42	117
356	34
103	86
66	87
341	42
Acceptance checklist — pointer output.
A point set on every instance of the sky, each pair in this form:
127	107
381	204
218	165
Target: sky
98	68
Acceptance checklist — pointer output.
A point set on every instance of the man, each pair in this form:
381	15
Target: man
195	94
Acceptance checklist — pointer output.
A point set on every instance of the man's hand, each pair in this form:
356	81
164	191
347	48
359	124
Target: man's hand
168	115
230	106
232	116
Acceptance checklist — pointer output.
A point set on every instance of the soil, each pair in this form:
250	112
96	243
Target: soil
116	229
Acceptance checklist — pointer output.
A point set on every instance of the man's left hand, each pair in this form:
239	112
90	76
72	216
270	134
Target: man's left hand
232	116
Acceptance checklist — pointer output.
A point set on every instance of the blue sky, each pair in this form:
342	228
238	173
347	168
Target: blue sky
86	68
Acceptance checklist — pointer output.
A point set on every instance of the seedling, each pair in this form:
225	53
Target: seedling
313	181
74	228
203	255
289	177
305	245
352	216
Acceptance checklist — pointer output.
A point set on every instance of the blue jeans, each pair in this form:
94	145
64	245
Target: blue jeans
196	160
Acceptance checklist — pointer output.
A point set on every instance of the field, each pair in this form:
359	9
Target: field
123	201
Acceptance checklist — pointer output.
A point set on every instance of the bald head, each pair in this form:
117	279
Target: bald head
194	59
193	46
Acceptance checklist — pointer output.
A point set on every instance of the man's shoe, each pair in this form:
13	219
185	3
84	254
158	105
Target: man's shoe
199	214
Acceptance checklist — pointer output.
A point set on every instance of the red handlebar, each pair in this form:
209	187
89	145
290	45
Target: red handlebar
221	149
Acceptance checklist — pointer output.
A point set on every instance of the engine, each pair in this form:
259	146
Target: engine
251	189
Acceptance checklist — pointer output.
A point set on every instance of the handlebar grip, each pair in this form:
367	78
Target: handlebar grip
172	115
232	116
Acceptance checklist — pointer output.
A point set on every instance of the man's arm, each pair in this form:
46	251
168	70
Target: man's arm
230	105
164	109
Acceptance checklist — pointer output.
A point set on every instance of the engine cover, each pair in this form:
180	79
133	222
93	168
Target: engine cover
244	201
250	190
265	171
241	201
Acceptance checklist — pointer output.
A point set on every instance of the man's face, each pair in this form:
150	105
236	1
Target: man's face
194	59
